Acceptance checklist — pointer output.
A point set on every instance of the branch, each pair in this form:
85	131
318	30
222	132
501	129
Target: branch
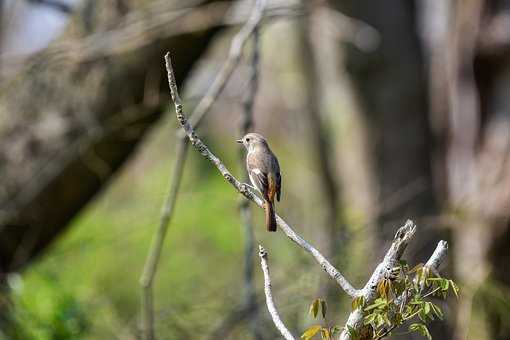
269	297
204	106
151	264
384	270
244	189
227	69
438	256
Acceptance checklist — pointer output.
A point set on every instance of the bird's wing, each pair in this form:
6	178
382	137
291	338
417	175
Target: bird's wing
278	186
258	179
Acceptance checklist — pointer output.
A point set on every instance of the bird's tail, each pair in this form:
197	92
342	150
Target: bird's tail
270	216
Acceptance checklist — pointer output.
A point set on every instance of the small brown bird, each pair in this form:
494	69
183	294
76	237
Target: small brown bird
264	172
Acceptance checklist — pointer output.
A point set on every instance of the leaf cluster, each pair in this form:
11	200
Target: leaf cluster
404	298
318	307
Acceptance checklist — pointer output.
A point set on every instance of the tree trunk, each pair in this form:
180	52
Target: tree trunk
391	86
76	111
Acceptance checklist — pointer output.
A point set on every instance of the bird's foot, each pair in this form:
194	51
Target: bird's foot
244	186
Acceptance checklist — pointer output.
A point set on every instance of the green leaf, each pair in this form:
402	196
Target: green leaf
416	268
324	308
455	288
334	330
379	320
420	328
370	318
427	308
437	310
378	303
325	334
357	302
311	332
314	308
352	333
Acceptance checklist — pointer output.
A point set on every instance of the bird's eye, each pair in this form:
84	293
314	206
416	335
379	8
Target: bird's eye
247	139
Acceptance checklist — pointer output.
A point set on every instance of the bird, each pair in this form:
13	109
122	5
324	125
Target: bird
264	173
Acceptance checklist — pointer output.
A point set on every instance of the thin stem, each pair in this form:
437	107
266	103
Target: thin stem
269	296
150	268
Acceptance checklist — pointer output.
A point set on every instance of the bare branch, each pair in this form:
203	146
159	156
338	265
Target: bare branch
269	296
151	264
244	189
204	106
227	69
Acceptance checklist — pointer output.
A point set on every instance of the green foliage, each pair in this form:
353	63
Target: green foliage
318	304
325	332
45	311
403	297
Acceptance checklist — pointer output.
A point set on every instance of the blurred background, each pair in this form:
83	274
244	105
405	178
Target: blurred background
378	111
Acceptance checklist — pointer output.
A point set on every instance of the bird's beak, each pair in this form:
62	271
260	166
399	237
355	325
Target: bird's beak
240	141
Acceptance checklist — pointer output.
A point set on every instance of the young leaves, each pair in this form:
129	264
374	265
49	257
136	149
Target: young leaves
420	328
310	332
402	298
318	304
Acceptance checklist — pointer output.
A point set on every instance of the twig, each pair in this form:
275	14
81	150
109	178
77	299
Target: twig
243	189
228	67
269	296
204	106
151	264
246	124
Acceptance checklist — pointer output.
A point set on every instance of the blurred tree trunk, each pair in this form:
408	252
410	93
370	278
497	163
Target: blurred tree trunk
333	227
478	162
391	87
75	112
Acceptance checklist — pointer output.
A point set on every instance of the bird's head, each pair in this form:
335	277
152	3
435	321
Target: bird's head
252	140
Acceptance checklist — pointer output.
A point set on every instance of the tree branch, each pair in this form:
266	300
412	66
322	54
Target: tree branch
204	106
244	189
269	296
384	270
438	256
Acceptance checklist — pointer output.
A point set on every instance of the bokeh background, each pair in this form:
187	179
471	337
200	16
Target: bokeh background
379	111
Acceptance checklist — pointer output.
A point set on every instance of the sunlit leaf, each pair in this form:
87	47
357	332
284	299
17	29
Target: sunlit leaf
455	288
416	268
357	302
376	304
314	308
325	334
311	332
